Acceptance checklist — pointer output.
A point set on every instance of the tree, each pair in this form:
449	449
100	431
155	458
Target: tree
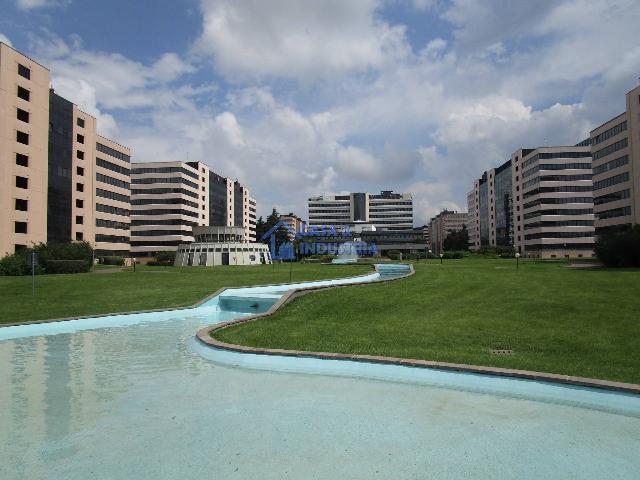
619	248
263	226
458	240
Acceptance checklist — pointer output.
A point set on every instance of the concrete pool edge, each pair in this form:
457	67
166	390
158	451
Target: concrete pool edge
204	336
171	309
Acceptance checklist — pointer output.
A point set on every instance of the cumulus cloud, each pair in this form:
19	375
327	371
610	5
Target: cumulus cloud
31	4
321	97
5	39
301	40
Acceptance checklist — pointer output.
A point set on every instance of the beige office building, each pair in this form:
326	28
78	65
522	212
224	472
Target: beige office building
442	225
24	127
615	147
168	199
473	216
294	222
553	204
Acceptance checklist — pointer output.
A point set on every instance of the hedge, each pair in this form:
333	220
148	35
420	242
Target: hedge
112	260
67	266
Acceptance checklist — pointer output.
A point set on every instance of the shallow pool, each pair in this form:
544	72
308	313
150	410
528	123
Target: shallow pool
134	396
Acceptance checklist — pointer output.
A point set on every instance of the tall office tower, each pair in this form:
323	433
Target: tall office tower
473	216
490	209
112	197
253	208
386	210
24	129
615	147
553	202
89	178
168	199
442	225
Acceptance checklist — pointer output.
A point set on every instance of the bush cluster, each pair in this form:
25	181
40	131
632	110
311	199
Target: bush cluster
619	248
112	260
163	259
67	266
20	262
452	255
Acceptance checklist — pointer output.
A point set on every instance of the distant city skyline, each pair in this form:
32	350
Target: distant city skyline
302	99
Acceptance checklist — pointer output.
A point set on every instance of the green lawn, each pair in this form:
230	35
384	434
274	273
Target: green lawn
557	320
99	292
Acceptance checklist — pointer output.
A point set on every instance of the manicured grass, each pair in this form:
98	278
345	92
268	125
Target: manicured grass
59	296
557	320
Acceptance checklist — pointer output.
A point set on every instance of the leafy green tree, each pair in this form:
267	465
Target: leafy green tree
457	240
619	248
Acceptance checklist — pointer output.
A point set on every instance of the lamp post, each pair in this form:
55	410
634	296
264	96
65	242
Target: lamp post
441	255
430	254
517	260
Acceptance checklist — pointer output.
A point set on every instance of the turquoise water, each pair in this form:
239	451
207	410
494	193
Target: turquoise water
135	396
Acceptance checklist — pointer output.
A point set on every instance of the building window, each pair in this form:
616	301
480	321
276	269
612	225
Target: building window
22	182
22	115
80	171
80	122
23	93
79	236
80	154
79	138
79	187
22	160
22	205
79	220
79	203
20	227
24	71
22	137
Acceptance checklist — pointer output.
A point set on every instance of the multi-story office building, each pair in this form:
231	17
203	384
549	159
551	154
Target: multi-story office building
442	225
168	199
88	187
553	214
386	210
473	216
490	209
24	129
59	185
615	147
294	222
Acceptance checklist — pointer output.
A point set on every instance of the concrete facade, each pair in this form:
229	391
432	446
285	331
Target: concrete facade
615	147
387	210
443	224
224	245
170	198
24	127
553	204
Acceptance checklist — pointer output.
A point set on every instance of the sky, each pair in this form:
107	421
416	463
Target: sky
297	98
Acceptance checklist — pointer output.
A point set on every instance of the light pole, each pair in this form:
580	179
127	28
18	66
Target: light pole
430	254
517	260
441	255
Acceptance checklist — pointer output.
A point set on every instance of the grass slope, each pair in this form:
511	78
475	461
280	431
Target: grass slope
59	296
557	320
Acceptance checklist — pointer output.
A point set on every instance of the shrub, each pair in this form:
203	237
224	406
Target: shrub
15	265
112	260
452	255
166	257
394	254
67	266
619	248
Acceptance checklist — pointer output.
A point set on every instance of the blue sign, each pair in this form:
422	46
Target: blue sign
286	250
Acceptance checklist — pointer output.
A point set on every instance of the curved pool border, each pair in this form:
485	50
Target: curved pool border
204	336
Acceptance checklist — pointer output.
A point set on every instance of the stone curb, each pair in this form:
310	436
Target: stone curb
153	310
204	335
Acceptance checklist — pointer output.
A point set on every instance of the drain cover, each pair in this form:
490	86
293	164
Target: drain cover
501	352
